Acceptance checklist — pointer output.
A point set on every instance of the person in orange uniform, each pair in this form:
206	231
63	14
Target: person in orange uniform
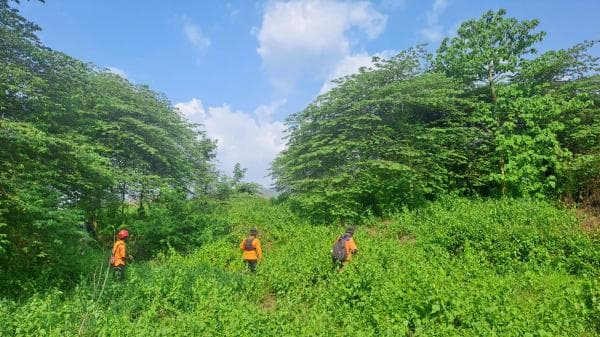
252	250
119	254
343	248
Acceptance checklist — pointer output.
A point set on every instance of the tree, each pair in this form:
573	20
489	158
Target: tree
372	144
485	118
571	74
76	142
487	50
238	173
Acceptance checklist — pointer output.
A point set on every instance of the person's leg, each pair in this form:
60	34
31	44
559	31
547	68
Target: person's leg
337	264
119	273
251	265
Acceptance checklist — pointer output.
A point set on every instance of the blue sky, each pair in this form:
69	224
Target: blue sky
240	67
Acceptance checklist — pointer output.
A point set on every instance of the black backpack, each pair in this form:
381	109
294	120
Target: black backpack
338	252
248	245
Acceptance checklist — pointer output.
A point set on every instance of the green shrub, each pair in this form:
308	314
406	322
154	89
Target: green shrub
454	268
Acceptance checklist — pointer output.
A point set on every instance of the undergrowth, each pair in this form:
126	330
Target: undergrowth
454	268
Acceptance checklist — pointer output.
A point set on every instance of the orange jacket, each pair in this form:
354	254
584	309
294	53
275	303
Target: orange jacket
251	255
350	246
119	252
350	249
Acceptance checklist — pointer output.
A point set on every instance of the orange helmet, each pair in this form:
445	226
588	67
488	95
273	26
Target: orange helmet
123	234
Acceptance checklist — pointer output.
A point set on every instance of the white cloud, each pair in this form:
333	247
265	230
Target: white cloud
265	112
195	36
234	11
300	38
351	65
438	7
347	66
117	71
434	31
193	109
253	140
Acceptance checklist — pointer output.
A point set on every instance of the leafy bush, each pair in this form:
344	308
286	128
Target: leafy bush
506	233
172	221
453	268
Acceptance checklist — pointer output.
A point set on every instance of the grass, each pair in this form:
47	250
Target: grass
454	268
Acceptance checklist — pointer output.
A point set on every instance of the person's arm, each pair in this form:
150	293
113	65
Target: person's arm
125	256
258	249
242	245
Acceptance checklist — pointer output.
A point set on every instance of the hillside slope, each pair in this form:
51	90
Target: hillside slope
454	268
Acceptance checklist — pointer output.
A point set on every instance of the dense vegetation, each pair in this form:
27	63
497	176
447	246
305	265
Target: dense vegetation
406	148
481	117
80	144
453	268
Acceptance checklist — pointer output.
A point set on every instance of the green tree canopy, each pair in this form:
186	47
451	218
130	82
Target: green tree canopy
488	49
76	142
484	118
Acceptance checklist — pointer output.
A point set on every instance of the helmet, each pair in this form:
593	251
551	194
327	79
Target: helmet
253	231
350	229
123	234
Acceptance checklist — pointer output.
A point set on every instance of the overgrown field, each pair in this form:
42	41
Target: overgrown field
454	268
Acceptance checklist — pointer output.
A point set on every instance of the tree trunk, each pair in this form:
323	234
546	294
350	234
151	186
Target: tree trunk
141	211
491	82
494	98
502	172
123	187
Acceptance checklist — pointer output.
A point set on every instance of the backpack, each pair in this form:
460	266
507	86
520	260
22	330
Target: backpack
248	245
338	252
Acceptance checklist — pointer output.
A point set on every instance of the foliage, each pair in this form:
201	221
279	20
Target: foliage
453	268
485	118
373	144
227	187
176	222
481	117
487	49
78	143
